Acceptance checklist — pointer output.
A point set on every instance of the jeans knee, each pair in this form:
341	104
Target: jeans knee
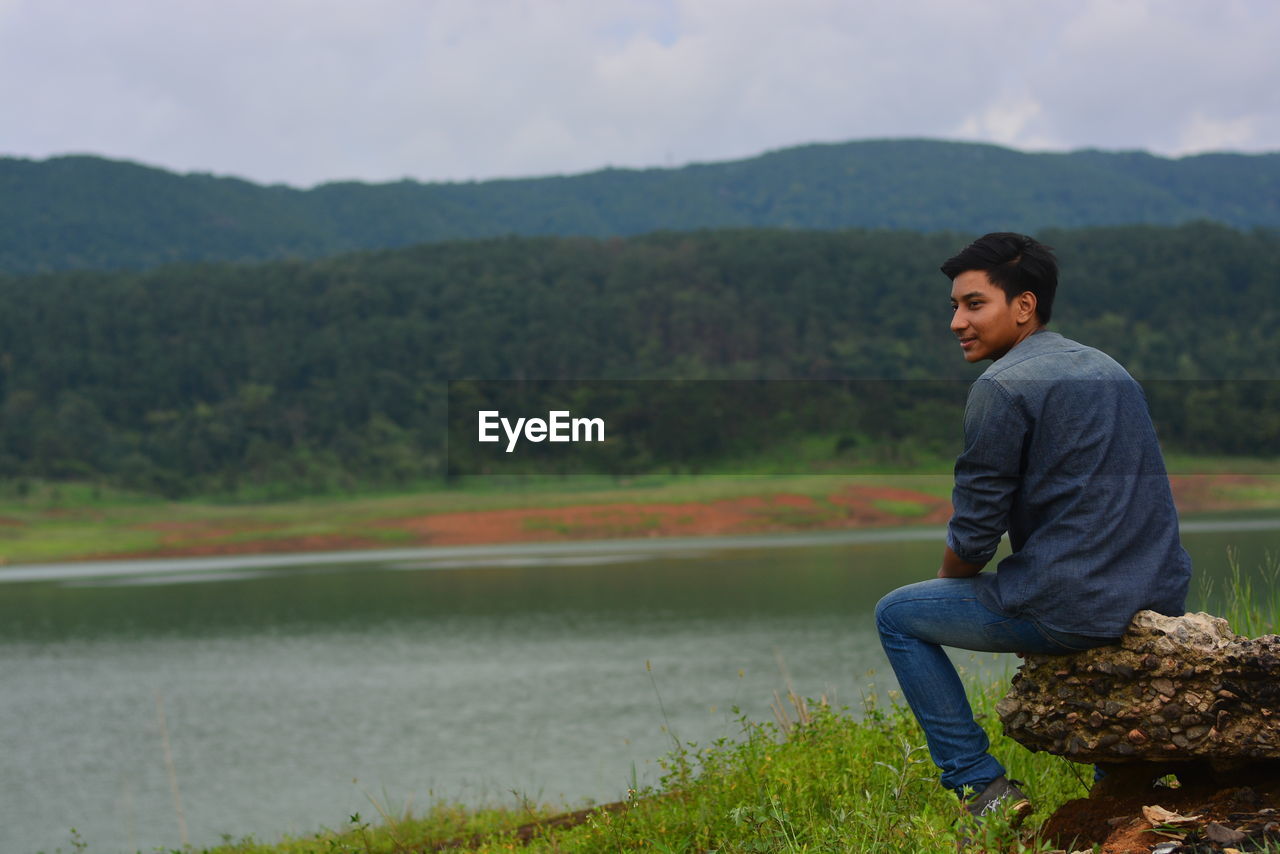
883	622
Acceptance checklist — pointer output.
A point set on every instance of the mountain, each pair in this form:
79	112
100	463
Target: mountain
83	212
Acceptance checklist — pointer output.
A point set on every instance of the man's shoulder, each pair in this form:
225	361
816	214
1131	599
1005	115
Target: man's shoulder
1049	357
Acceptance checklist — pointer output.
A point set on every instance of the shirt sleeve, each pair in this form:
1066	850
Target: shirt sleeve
987	473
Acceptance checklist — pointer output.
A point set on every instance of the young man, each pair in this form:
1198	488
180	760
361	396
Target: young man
1060	452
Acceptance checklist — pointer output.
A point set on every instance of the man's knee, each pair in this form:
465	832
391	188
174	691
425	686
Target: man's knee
884	609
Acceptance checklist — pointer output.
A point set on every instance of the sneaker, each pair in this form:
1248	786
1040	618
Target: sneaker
1001	796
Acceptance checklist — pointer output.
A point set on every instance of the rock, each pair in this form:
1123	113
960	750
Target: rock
1223	835
1173	688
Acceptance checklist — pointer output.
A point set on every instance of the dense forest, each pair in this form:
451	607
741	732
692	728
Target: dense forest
328	374
90	213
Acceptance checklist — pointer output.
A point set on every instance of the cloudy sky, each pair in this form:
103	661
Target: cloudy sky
305	91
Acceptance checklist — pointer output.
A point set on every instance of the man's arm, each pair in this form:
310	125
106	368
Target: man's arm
954	567
988	474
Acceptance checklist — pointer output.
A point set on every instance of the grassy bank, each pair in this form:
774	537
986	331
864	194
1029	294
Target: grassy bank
46	521
818	779
60	521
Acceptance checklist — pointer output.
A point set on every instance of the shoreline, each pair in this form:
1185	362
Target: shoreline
467	556
367	528
149	569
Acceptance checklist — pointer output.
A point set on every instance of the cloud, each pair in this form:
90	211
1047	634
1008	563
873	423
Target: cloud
1005	122
310	90
1204	133
1134	74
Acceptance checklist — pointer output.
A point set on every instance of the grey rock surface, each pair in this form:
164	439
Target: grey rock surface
1174	688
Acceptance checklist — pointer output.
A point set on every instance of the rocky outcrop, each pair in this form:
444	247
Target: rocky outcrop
1174	688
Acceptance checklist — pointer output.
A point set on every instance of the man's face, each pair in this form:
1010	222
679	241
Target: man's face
987	324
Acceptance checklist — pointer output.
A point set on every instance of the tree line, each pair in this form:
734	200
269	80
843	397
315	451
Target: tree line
333	374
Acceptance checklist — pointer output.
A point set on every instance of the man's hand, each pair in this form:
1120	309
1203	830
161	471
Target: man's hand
954	567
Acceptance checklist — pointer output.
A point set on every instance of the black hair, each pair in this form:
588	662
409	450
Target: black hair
1014	263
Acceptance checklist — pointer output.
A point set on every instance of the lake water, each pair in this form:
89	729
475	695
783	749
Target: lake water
297	690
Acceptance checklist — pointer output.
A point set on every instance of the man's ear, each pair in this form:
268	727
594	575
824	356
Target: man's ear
1024	307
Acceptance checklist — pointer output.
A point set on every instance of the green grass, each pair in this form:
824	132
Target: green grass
818	780
816	454
45	521
67	521
1204	464
1250	612
908	509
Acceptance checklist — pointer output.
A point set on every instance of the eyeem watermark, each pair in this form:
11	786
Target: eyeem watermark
557	427
789	426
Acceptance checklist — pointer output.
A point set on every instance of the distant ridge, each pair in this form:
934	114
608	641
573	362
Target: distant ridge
84	212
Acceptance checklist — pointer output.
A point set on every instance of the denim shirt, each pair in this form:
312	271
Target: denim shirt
1060	452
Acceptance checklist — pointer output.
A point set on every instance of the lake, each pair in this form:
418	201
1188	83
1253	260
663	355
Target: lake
298	690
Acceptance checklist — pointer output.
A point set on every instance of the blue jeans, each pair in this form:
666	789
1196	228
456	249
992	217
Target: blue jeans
915	622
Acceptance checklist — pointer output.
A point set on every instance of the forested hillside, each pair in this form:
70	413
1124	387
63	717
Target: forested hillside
90	213
320	374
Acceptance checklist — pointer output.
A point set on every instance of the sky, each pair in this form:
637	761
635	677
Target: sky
308	91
